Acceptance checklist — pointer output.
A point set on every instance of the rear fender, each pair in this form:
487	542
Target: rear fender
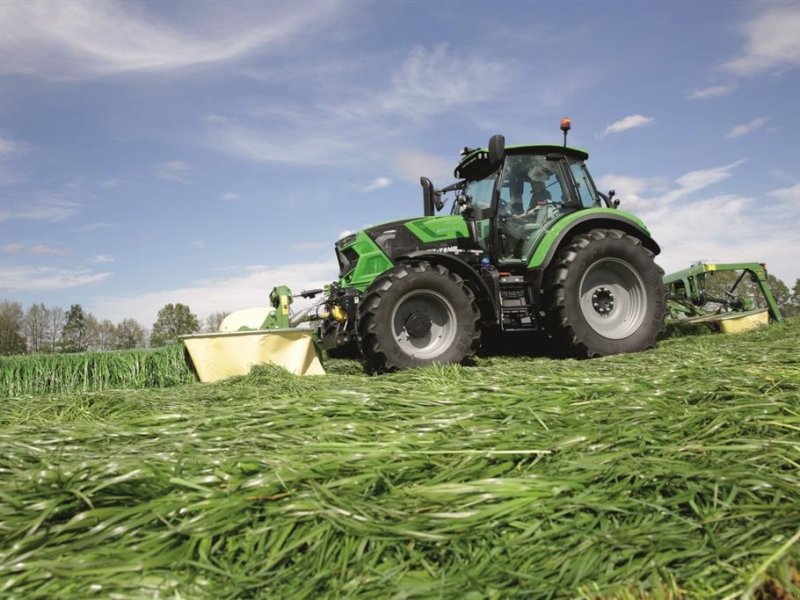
584	221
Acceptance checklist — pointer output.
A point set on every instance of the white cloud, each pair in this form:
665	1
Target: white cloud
711	92
790	195
412	164
746	128
81	38
772	42
14	248
32	279
691	225
198	244
426	83
229	197
173	170
247	290
629	122
52	210
434	81
48	250
214	119
102	259
10	148
378	184
694	181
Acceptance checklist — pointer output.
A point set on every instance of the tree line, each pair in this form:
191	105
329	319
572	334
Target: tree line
41	329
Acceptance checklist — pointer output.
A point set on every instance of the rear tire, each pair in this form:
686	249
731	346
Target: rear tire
605	295
417	314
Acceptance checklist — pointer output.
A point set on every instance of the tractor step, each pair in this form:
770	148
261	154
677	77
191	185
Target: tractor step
516	310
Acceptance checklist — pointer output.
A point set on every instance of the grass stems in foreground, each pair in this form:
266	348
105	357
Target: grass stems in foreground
668	474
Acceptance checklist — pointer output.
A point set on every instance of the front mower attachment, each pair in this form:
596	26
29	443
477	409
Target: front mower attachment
255	336
221	355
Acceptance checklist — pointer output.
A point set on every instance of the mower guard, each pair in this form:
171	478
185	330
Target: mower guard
218	356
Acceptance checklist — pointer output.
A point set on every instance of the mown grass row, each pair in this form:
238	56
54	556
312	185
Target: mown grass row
668	474
60	373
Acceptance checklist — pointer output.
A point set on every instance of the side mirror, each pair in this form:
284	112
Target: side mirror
497	150
428	196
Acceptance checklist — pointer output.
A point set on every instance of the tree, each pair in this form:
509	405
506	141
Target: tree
214	320
55	325
11	317
73	335
100	334
128	334
34	327
173	320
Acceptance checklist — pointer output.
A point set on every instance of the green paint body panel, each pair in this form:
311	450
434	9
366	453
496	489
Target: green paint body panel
372	262
552	235
438	229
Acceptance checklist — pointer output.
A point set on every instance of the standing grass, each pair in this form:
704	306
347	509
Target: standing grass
87	371
673	473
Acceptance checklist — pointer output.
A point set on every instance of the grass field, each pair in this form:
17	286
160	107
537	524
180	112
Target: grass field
669	474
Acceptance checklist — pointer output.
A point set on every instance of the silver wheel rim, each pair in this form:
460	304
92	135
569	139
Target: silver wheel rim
425	306
613	298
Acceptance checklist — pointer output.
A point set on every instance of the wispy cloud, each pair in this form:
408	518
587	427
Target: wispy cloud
11	148
244	290
626	123
102	259
746	128
14	248
694	181
174	170
52	210
321	131
712	91
790	195
81	38
378	184
31	279
411	164
48	250
772	41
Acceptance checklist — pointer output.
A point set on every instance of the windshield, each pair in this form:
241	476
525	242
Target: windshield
530	180
480	191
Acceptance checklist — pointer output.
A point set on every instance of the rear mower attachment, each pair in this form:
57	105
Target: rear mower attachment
690	301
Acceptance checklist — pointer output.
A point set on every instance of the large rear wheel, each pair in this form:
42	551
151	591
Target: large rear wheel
417	314
605	295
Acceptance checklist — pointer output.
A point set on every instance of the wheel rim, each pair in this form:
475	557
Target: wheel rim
613	298
424	324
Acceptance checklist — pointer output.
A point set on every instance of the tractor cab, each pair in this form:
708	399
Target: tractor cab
510	196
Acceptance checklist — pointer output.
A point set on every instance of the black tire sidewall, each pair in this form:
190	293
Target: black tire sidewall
641	261
436	280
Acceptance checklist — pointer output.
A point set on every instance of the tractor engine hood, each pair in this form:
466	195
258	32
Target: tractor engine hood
437	234
392	240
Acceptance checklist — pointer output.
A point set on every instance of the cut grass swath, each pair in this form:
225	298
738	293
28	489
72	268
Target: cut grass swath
668	474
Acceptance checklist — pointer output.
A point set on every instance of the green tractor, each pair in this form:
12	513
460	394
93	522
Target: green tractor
529	244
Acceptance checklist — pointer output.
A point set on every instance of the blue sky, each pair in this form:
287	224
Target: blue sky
204	152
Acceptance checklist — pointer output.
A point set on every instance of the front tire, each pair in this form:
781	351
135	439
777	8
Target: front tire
417	314
605	295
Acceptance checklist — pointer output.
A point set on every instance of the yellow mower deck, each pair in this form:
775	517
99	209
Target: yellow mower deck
221	355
